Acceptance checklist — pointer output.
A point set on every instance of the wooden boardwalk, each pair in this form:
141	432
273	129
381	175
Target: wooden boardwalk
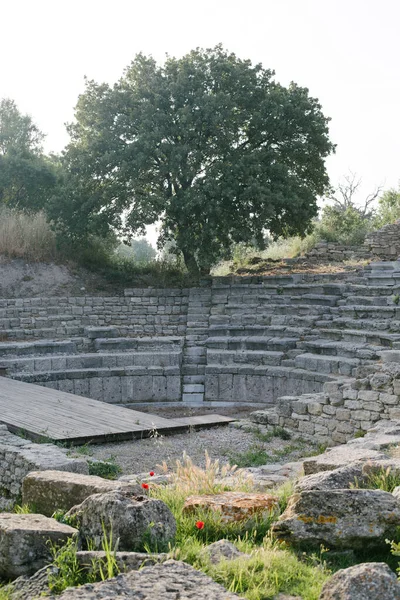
41	412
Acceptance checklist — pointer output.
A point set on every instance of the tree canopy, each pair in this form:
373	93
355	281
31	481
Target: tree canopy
27	177
209	144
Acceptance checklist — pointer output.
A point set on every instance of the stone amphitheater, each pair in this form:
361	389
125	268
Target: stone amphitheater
302	345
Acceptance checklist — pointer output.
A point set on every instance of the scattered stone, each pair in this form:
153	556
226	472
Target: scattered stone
338	479
168	581
354	519
25	538
233	506
223	549
49	491
340	456
133	520
372	581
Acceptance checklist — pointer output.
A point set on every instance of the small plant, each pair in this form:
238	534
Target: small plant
108	469
84	450
360	433
279	291
69	572
396	299
383	479
23	509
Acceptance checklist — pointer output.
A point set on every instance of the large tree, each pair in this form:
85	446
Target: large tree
27	177
209	144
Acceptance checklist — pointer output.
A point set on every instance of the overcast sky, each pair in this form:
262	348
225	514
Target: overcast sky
345	51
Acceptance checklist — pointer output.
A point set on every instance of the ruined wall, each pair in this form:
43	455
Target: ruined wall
385	243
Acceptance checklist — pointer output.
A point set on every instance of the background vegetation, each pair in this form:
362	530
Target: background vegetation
226	174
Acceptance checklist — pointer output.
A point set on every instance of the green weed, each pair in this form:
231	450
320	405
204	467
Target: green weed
108	469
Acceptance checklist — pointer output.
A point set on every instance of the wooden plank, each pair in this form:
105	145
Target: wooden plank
61	416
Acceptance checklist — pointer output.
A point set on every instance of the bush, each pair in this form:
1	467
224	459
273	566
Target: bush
348	227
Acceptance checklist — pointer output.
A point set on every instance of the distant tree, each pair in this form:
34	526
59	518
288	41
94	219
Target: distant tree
346	220
209	144
140	251
27	177
388	208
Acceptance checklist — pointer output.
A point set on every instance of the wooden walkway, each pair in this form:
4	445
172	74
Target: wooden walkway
41	412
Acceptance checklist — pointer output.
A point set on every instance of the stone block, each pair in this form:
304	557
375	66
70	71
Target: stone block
48	491
25	542
389	398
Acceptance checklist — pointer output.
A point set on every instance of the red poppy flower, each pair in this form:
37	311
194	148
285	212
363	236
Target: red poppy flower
151	473
200	524
145	486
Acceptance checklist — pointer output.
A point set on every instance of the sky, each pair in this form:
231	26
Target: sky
345	51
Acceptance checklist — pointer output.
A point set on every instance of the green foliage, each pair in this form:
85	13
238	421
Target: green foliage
139	251
108	469
208	143
268	572
27	177
396	299
347	226
69	571
6	592
255	456
22	509
389	208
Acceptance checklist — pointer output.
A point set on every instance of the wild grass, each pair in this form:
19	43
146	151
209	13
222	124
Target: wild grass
26	235
383	479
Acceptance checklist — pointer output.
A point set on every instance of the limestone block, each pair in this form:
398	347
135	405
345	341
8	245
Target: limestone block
335	458
24	542
338	479
375	581
354	518
233	506
169	580
48	491
131	517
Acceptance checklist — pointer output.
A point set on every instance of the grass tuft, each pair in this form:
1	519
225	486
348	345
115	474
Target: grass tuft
26	235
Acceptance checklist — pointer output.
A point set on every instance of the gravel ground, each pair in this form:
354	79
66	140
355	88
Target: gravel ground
226	443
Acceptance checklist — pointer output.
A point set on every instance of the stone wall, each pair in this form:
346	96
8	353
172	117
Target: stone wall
149	311
329	252
385	243
343	409
19	456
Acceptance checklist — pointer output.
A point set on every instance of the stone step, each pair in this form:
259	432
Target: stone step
139	343
255	357
277	309
368	312
188	379
91	360
38	348
365	290
43	333
261	299
367	301
386	325
343	349
193	388
327	364
189	398
360	336
251	343
257	330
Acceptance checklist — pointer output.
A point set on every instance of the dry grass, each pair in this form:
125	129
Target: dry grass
26	235
190	479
